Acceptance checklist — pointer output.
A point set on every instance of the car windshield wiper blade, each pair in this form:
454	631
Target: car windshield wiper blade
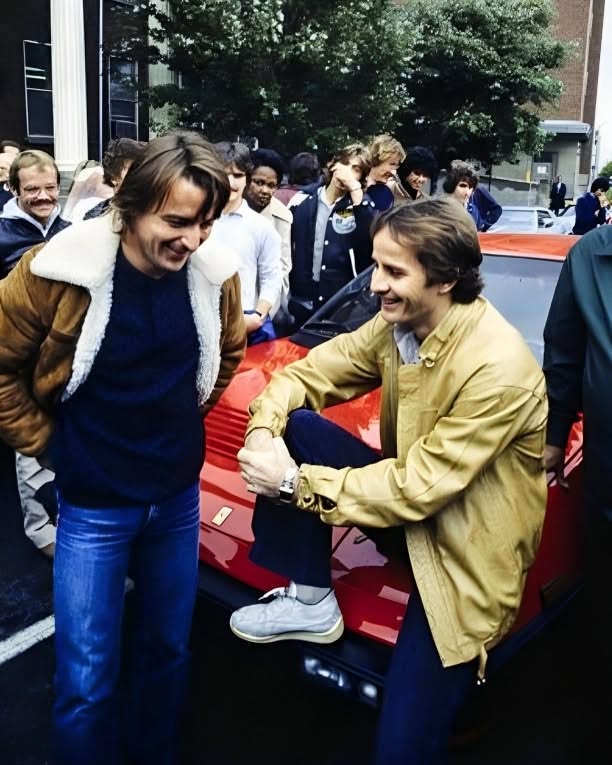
326	327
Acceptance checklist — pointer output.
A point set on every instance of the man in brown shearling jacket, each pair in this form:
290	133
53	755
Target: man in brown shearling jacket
115	336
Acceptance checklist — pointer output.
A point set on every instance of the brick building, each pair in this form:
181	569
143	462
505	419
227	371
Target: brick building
569	151
580	21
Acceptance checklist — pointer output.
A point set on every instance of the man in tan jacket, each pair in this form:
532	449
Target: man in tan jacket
116	335
460	477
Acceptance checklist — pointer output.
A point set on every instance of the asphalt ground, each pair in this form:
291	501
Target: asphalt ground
251	704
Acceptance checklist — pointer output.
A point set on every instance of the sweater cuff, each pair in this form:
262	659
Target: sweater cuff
558	430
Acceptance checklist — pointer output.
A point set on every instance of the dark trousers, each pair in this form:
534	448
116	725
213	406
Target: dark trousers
597	628
421	697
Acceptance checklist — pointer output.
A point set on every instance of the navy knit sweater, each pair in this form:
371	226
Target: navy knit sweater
132	432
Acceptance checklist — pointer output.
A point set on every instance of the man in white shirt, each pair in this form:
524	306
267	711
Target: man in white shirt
255	241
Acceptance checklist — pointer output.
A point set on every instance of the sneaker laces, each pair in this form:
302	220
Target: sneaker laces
281	592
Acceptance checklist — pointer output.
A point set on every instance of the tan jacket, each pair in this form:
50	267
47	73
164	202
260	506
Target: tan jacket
281	218
54	308
467	426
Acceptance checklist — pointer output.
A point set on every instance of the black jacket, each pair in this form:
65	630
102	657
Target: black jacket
578	356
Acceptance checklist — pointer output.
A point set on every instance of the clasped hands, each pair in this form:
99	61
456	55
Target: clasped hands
263	461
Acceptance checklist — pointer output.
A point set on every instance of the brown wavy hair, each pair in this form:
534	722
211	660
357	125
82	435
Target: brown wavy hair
31	158
444	239
165	160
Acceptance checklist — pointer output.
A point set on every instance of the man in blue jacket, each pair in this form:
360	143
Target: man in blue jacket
330	237
33	215
591	207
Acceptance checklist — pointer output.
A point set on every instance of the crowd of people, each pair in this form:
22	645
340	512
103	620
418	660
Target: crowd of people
123	320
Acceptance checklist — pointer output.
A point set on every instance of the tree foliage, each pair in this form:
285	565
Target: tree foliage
295	73
479	73
606	170
466	78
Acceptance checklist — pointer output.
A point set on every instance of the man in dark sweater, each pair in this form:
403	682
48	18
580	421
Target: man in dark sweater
117	335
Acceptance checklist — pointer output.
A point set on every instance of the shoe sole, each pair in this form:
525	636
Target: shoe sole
333	634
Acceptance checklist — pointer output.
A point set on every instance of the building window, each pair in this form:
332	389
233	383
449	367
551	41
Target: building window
123	97
38	89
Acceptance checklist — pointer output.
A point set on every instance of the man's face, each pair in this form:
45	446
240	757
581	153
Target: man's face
38	192
416	179
264	183
162	241
462	191
401	283
385	170
237	179
6	160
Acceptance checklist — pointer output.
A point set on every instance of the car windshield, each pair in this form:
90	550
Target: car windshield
520	288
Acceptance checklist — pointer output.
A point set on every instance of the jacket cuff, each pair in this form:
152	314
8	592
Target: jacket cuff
558	430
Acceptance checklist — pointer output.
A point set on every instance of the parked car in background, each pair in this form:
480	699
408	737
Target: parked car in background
527	220
567	219
520	273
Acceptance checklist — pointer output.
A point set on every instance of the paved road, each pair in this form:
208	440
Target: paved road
249	704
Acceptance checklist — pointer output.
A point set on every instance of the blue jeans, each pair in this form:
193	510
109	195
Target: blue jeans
93	550
421	697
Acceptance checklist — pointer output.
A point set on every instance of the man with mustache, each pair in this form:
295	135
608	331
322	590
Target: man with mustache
33	216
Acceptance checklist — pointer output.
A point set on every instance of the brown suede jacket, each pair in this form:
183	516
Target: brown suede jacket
54	308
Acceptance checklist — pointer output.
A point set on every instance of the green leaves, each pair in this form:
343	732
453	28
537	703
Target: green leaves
463	77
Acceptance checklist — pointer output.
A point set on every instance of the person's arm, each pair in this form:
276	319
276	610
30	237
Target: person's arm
284	231
24	425
339	370
439	467
490	209
586	207
233	338
269	271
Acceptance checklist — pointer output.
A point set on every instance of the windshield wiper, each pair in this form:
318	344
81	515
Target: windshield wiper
325	327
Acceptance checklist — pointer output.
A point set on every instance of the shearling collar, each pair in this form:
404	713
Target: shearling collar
84	254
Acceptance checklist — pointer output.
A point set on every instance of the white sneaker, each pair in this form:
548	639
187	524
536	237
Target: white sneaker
287	618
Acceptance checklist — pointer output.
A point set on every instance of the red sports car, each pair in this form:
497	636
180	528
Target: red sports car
520	273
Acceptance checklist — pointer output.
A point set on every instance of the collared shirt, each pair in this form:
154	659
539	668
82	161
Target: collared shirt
407	344
253	238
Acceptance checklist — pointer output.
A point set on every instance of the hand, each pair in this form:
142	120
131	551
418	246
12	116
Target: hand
253	322
263	470
554	462
345	176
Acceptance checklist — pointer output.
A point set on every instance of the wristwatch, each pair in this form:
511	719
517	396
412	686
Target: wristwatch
287	487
